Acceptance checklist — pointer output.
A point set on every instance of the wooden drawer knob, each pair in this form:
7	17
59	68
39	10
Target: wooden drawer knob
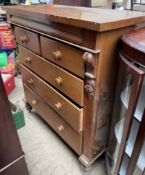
24	39
34	102
31	81
60	128
27	59
58	105
57	55
59	80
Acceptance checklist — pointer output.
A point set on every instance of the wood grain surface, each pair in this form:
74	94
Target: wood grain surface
63	55
28	39
87	18
67	110
67	83
10	147
52	118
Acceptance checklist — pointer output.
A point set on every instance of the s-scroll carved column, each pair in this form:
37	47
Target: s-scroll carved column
90	107
89	74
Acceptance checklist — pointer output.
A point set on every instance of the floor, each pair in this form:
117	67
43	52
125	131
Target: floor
46	153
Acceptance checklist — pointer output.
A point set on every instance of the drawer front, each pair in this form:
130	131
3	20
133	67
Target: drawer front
52	118
67	110
65	82
28	39
63	55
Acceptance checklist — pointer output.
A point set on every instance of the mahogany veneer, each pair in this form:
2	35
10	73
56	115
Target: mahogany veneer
68	62
11	155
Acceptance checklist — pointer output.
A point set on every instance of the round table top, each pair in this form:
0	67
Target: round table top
133	45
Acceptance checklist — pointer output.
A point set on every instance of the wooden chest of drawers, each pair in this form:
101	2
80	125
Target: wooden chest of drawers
68	64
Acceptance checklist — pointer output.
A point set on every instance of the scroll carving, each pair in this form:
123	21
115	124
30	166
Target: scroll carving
90	88
89	74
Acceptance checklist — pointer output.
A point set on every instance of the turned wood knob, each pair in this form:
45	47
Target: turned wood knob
31	81
34	102
27	59
60	128
88	57
59	80
24	39
58	105
57	55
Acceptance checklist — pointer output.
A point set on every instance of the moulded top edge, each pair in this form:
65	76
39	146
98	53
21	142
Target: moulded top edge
96	19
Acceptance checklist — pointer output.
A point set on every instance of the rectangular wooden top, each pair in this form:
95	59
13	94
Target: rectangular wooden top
88	18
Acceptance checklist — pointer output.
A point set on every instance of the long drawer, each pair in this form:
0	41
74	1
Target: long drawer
67	110
65	82
63	55
28	39
52	118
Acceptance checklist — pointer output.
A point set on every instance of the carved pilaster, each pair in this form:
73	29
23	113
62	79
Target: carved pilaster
89	74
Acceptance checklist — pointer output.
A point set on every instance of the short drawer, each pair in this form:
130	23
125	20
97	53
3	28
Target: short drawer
52	118
63	55
67	110
65	82
28	39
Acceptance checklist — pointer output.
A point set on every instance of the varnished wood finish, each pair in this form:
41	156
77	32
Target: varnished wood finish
87	18
89	38
132	49
132	45
28	39
71	86
16	169
59	125
10	148
8	134
68	33
67	110
63	55
105	66
132	53
127	65
137	147
138	76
